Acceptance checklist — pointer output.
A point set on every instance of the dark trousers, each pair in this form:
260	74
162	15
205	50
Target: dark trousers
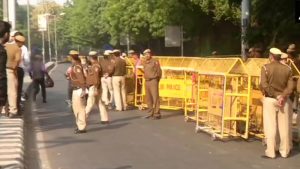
39	83
70	90
152	96
20	74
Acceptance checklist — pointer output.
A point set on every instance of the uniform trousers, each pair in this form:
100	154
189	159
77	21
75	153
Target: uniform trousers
12	91
152	97
78	107
275	120
106	84
92	99
20	85
119	92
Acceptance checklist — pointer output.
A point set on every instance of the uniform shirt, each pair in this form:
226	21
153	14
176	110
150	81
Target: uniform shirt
276	79
120	67
77	76
13	55
107	67
93	75
152	69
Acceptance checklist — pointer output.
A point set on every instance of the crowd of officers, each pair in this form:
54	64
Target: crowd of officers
102	82
14	63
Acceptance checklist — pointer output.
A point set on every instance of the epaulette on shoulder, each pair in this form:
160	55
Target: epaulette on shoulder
288	66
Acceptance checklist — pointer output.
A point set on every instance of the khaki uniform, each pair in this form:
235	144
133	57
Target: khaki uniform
78	102
106	81
152	75
94	92
118	81
13	60
276	80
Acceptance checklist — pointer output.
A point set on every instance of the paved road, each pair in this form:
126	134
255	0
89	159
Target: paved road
130	142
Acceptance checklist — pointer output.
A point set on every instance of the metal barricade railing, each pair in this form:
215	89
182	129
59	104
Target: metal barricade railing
223	98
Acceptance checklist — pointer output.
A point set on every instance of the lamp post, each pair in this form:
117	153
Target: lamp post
55	34
49	37
245	19
28	27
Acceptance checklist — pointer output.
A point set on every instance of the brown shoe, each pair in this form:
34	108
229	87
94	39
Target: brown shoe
104	122
156	117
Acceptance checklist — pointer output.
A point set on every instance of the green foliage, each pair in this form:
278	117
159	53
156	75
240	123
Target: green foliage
221	9
273	23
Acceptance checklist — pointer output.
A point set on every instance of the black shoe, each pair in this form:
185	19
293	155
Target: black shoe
104	122
147	117
80	131
267	157
44	101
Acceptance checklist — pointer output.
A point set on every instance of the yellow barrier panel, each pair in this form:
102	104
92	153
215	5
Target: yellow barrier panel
223	98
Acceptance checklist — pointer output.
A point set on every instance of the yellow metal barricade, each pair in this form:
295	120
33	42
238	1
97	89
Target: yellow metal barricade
223	98
130	85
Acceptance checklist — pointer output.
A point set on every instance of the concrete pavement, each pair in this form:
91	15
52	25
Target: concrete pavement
130	142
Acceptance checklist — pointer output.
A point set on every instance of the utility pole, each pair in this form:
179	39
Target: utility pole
181	40
245	19
43	39
55	39
12	13
28	27
49	38
5	10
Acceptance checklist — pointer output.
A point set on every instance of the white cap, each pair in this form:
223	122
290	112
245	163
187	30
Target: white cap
275	51
107	52
147	51
284	56
92	53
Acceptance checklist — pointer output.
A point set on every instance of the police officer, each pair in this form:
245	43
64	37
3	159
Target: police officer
92	81
78	82
94	73
152	75
276	86
106	80
118	81
13	60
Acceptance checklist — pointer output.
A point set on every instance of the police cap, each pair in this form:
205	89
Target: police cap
275	51
147	51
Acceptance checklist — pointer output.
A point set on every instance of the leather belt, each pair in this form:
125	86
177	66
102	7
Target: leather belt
10	68
75	88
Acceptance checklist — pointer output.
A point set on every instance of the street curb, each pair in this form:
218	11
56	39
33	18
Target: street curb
12	139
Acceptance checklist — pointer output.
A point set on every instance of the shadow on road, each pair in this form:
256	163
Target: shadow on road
122	167
62	141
